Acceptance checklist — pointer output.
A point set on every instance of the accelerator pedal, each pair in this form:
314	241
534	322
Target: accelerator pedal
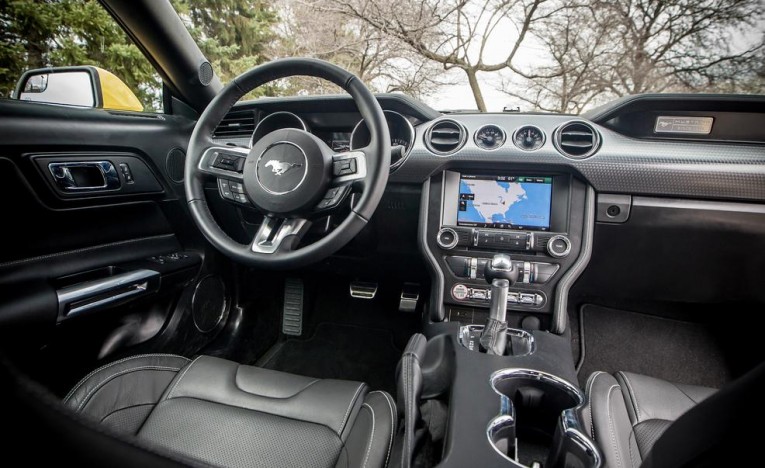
292	312
410	295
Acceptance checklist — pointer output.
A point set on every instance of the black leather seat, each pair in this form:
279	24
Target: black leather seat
227	414
627	413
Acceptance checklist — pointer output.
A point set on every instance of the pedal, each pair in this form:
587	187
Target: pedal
362	290
292	312
410	295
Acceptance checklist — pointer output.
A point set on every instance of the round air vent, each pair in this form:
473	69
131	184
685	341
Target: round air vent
445	137
577	140
175	163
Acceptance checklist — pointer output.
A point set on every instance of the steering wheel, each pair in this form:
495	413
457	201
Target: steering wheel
290	175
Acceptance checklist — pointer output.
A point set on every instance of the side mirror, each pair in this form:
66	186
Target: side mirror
84	86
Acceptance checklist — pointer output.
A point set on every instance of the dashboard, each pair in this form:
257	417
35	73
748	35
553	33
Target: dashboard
536	185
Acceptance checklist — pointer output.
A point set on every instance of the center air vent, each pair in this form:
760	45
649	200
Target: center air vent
445	137
236	124
577	140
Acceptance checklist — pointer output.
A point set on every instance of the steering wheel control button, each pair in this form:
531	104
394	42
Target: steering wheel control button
344	167
228	162
559	246
225	189
460	292
332	198
447	238
236	187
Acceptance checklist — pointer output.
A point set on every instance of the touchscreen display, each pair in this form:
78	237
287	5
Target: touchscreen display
505	202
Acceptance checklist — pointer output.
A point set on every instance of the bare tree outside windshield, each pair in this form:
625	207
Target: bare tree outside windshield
549	55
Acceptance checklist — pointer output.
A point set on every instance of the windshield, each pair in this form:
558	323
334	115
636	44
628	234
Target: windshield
455	55
494	55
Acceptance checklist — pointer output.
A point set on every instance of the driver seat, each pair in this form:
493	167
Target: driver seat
226	414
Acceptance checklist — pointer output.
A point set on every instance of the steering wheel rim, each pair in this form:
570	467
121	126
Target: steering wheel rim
374	158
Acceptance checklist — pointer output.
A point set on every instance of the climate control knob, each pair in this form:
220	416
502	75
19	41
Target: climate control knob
447	238
558	246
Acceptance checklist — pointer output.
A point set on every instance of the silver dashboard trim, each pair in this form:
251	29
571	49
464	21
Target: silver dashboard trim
412	139
500	145
542	132
463	137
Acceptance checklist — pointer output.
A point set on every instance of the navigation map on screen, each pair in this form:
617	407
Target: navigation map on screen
505	202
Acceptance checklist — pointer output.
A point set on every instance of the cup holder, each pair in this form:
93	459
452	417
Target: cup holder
538	421
519	342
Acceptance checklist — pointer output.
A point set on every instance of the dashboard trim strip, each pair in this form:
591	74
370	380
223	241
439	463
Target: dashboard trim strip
560	313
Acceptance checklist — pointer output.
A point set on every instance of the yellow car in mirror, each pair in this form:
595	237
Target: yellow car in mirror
81	86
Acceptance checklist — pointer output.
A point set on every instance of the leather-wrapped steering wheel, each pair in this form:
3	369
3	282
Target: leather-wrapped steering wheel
290	175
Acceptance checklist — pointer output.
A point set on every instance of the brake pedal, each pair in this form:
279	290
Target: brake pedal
292	311
410	295
362	290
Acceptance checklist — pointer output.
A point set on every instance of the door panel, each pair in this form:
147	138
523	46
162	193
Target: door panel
59	240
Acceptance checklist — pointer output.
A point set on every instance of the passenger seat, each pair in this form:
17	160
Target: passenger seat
627	413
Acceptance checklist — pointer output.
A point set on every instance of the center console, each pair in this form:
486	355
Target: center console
537	218
504	247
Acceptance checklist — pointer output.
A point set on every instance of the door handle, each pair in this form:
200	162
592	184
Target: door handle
83	176
106	292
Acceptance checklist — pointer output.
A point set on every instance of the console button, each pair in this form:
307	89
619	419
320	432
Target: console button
543	272
528	299
485	239
559	246
447	238
479	294
502	239
480	267
460	266
460	292
512	298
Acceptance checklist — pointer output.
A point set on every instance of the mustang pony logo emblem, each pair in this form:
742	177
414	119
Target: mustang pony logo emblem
279	167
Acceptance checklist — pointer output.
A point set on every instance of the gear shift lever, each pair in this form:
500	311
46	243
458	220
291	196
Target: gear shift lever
500	273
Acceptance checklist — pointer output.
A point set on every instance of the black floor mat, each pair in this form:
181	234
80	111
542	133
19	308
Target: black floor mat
682	352
339	351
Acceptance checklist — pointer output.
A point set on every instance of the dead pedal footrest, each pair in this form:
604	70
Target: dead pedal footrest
292	312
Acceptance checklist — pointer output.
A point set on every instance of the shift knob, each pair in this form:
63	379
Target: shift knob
501	267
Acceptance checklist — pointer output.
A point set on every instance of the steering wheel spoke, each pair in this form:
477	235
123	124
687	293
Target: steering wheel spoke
279	235
224	161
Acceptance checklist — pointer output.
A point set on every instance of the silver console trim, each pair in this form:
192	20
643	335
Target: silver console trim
569	419
522	334
450	245
555	254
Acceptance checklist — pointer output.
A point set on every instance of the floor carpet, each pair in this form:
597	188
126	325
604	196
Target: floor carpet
682	352
339	351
